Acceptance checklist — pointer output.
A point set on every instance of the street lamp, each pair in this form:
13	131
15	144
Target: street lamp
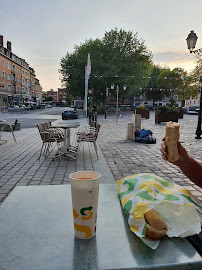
117	97
191	43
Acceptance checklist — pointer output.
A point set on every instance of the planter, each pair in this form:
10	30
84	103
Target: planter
180	114
100	111
166	117
144	113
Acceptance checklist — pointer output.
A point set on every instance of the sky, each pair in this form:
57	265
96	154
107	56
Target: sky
43	31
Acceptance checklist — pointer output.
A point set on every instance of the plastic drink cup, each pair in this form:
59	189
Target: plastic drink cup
85	189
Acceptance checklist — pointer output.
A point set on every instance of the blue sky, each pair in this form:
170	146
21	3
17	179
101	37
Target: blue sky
43	31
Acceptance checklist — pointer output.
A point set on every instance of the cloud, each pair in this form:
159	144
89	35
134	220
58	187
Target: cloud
175	58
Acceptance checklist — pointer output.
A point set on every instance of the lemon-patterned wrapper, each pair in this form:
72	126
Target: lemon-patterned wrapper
140	193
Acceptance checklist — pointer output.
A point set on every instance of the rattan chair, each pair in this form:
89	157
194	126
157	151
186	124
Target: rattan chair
49	137
89	134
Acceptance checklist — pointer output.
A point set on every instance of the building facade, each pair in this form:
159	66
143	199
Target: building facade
51	93
61	95
17	79
193	102
58	96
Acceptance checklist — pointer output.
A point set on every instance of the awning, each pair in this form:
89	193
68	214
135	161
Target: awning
3	95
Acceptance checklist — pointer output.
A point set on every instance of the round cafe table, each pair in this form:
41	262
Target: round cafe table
67	127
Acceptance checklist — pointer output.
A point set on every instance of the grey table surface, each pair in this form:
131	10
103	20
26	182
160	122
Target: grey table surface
66	125
36	233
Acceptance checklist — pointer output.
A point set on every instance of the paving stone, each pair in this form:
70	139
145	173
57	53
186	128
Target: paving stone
20	165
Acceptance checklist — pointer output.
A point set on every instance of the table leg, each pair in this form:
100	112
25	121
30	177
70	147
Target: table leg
68	138
65	141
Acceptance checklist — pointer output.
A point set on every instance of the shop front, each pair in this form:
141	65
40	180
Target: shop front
3	99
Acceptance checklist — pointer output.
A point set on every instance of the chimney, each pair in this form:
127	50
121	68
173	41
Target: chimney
1	40
9	45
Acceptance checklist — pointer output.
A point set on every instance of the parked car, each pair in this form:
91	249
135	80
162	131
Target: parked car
49	106
70	113
184	110
13	108
193	110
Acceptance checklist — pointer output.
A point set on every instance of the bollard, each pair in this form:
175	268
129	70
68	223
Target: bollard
129	132
136	119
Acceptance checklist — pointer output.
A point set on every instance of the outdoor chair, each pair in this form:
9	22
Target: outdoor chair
89	134
8	127
1	131
47	125
49	137
12	128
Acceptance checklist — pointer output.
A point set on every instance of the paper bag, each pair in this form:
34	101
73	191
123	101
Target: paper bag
140	193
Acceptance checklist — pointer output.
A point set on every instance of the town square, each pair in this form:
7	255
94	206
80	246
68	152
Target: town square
100	135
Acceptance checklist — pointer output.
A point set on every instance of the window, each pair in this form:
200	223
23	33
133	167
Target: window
23	81
3	64
9	87
3	75
23	72
8	65
4	86
9	77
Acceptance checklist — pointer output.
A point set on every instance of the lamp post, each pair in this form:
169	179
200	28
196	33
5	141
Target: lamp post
117	98
191	43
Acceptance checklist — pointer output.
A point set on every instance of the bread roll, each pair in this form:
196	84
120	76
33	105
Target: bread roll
172	136
156	227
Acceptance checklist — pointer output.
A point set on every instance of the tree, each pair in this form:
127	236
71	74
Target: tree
196	75
152	93
117	55
167	83
49	98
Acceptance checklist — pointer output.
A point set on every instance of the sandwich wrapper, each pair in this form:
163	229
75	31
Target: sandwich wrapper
140	193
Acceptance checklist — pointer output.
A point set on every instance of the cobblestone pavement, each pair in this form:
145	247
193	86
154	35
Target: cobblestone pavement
127	157
19	163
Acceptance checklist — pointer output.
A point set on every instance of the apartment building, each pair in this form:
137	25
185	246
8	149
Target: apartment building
58	96
17	79
52	94
61	95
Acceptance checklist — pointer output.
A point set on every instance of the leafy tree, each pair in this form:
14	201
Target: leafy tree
69	98
151	94
168	82
118	53
49	98
196	75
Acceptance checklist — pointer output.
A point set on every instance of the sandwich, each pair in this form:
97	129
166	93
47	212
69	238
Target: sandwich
156	227
172	136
